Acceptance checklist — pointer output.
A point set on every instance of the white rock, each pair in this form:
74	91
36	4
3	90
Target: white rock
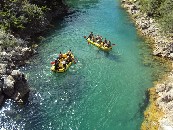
3	68
171	55
9	82
166	123
15	72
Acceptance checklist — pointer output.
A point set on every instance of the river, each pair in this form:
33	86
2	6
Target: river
102	91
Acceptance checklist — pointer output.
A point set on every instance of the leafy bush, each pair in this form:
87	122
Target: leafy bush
24	18
166	22
7	40
16	14
161	10
50	4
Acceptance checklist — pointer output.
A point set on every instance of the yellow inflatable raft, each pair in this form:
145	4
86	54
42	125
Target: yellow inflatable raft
99	45
62	69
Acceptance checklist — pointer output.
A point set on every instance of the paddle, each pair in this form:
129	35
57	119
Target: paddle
75	60
86	39
53	62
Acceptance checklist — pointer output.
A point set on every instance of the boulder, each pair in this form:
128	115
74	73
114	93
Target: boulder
1	96
3	68
18	49
20	85
171	55
166	123
8	86
1	99
145	25
157	52
160	88
9	49
123	1
16	56
21	54
26	52
5	56
16	74
133	7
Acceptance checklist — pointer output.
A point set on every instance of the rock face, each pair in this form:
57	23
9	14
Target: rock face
163	47
15	47
8	87
15	86
13	83
1	95
3	68
165	102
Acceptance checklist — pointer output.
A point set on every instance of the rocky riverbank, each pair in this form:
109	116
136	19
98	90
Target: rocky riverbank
159	114
15	49
13	83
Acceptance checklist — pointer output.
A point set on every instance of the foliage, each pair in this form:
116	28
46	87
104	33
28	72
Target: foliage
15	14
166	12
162	10
50	4
153	113
24	18
7	40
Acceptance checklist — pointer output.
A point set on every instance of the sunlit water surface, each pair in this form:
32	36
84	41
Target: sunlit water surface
103	91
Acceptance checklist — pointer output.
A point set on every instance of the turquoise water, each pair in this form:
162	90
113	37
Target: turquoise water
103	91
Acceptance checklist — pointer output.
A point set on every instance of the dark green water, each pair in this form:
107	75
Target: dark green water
103	91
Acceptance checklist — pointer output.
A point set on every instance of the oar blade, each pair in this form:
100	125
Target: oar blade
53	62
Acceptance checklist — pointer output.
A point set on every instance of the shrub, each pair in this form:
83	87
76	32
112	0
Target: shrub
6	39
16	14
161	10
166	22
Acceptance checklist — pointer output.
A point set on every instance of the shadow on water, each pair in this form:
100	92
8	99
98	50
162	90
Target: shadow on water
142	106
110	55
145	102
82	4
71	89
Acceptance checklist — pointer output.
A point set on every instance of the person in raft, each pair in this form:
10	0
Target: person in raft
64	64
99	41
108	44
105	41
60	56
90	35
57	64
69	59
69	53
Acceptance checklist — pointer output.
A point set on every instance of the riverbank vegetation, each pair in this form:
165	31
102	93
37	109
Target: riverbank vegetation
24	18
152	61
21	23
152	114
161	10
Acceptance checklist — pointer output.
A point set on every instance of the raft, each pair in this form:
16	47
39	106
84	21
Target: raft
99	45
61	70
